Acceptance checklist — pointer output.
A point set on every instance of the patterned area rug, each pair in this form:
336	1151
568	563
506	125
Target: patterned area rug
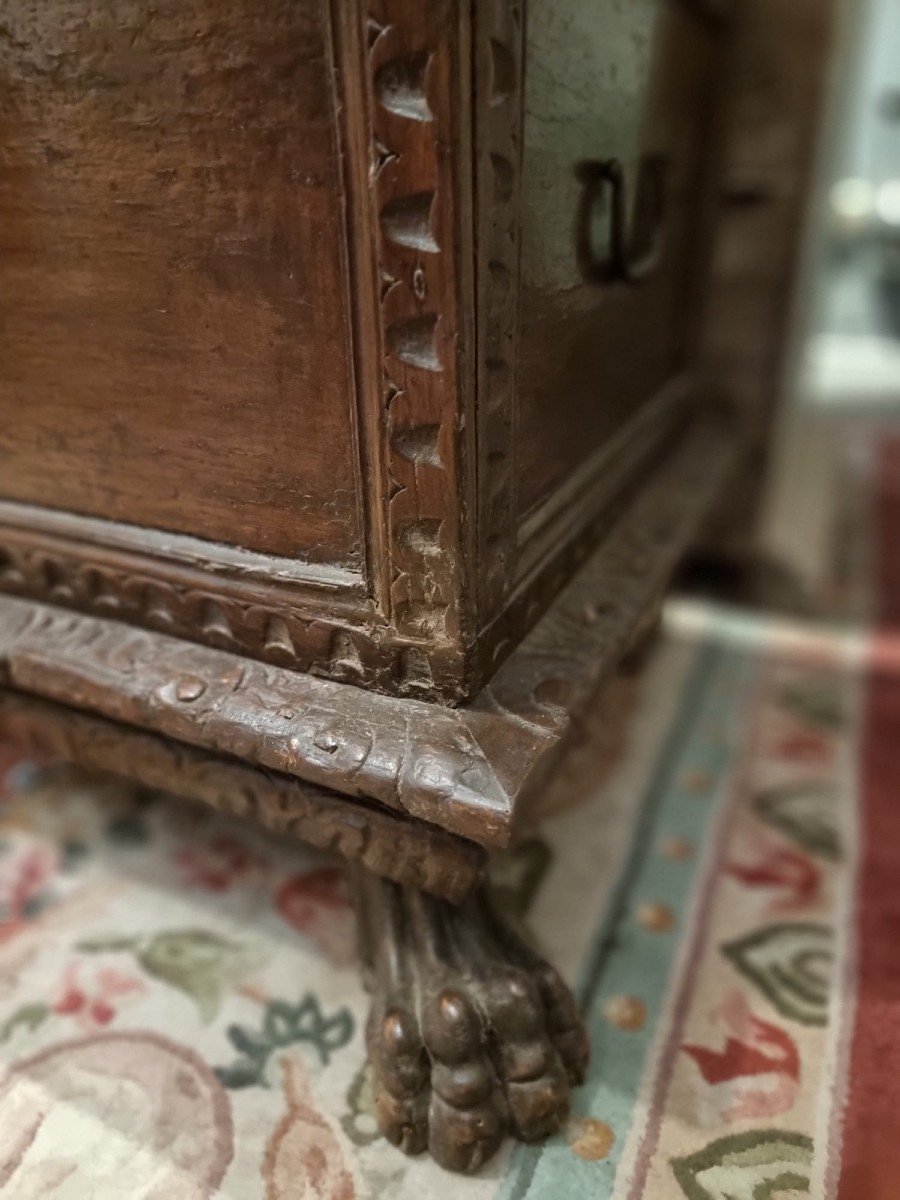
181	1017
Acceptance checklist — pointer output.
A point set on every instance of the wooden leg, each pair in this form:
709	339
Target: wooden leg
471	1034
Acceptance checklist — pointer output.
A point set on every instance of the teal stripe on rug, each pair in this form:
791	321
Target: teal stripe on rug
626	959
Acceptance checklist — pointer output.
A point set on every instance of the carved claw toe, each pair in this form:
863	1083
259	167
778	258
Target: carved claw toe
528	1066
471	1035
466	1118
401	1076
564	1025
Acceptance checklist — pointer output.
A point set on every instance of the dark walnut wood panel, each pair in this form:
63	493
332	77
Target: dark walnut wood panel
409	852
171	230
471	770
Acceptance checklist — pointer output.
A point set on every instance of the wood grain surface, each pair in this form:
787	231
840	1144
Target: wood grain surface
178	354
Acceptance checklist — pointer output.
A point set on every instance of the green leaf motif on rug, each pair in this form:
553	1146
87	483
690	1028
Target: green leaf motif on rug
757	1165
815	702
791	966
29	1017
202	964
807	813
128	829
284	1025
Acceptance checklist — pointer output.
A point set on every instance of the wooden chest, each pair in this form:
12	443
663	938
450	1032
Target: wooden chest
335	335
364	372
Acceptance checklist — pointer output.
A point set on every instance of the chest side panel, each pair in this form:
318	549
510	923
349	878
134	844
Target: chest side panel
174	349
616	87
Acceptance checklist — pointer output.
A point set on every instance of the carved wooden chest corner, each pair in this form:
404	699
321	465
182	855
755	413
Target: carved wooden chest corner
315	354
354	413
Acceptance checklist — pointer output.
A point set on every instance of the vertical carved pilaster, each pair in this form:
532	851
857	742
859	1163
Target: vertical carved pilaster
412	53
499	37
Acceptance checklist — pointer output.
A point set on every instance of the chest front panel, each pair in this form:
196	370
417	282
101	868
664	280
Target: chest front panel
177	355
